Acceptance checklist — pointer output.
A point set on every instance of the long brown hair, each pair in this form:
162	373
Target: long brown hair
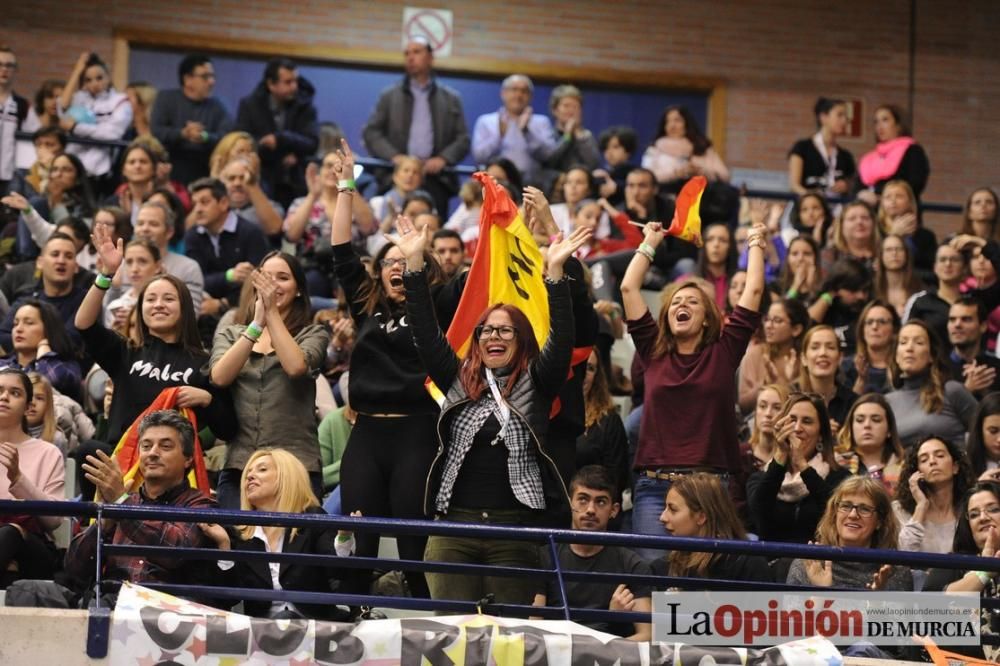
962	480
299	315
911	280
597	401
932	392
892	445
826	443
371	295
883	217
967	227
805	381
471	373
886	533
782	392
187	325
666	343
703	493
840	243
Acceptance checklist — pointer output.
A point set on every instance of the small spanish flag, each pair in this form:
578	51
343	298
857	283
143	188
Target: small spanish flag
686	224
127	451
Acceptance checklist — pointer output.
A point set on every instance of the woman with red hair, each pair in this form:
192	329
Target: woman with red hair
492	465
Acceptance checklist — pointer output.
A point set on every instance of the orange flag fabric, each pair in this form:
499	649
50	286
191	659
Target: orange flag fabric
686	224
127	451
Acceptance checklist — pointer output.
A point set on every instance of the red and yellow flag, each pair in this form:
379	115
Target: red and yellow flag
127	451
686	224
506	268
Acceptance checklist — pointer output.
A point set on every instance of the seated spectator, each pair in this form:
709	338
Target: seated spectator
896	156
787	499
163	178
981	214
167	351
269	359
281	116
983	446
168	198
275	481
604	442
811	217
155	224
968	361
769	215
230	147
698	506
675	257
44	113
983	278
867	371
39	229
618	145
800	277
570	190
46	144
717	259
226	246
55	418
188	121
932	305
843	296
574	143
32	470
67	195
758	450
308	224
465	219
515	131
507	174
926	402
868	442
247	199
59	285
591	215
407	176
422	117
40	344
899	214
447	246
977	533
681	150
855	235
166	451
775	360
141	264
858	515
90	107
594	497
895	279
819	373
139	167
932	482
819	163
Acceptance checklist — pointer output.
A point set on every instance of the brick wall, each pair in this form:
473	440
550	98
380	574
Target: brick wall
775	56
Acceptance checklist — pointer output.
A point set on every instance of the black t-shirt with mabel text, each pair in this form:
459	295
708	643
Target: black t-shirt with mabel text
593	593
139	375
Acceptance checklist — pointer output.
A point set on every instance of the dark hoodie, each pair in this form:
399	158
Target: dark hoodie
298	135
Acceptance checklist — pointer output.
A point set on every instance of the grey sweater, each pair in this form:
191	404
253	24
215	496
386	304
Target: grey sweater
171	112
914	423
856	575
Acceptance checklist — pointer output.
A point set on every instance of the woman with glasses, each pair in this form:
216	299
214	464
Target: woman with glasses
394	439
91	108
787	499
776	359
977	533
269	360
858	515
868	370
895	279
934	477
492	464
869	443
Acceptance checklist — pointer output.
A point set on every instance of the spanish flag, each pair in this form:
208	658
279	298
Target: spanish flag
686	224
127	451
506	268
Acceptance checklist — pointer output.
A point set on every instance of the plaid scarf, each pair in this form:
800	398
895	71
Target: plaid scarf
522	464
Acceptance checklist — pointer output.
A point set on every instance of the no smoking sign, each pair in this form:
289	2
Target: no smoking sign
434	25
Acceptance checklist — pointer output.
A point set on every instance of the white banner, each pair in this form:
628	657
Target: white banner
150	627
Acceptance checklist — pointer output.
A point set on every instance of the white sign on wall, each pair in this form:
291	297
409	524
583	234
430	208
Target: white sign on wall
434	25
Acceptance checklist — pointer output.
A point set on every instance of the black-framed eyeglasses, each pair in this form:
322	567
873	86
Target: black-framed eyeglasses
863	509
503	332
8	65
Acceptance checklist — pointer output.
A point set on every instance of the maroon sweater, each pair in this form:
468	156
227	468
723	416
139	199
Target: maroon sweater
689	418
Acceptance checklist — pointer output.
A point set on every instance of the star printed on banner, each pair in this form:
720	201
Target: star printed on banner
231	661
198	647
145	594
304	661
148	660
834	660
380	648
812	651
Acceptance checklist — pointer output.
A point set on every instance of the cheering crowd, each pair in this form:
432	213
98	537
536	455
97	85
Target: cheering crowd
820	372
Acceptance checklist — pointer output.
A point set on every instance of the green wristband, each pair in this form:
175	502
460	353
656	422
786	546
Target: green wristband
231	275
346	184
792	293
102	281
254	331
827	296
204	136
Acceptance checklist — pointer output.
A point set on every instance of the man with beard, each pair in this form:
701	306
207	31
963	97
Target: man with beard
449	249
968	361
248	200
